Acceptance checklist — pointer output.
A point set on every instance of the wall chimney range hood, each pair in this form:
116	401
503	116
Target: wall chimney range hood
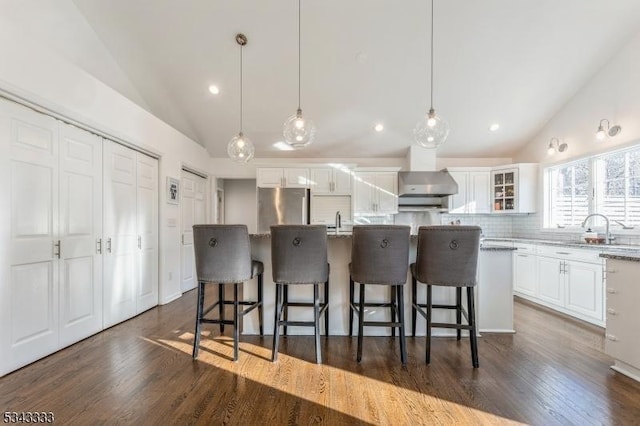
426	184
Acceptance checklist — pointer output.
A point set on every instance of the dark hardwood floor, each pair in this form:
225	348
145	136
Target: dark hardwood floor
553	371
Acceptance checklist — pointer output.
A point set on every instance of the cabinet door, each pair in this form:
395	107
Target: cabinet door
296	178
342	182
193	211
120	232
479	192
387	193
525	274
363	192
147	228
458	202
585	289
270	178
321	180
551	280
80	231
29	285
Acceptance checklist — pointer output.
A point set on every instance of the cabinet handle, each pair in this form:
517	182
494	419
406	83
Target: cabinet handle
563	252
612	337
108	245
560	266
140	242
99	246
182	239
611	271
56	249
611	311
523	255
282	182
612	291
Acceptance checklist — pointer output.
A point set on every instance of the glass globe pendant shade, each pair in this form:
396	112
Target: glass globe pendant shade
432	131
240	148
299	131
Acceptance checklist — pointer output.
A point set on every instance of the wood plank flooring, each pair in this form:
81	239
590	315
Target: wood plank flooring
553	371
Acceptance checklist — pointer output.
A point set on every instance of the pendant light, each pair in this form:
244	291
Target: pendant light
299	131
240	147
432	130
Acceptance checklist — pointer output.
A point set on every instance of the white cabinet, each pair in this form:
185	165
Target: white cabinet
514	188
375	193
584	289
525	279
131	233
50	265
474	191
551	280
279	177
330	180
623	293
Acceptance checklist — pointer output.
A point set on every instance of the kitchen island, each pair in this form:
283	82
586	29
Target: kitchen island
494	300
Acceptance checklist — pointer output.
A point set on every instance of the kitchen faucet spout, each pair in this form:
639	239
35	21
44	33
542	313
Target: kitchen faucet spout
607	237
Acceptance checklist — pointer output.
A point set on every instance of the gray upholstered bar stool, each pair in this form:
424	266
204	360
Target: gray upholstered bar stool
223	255
447	256
299	256
380	256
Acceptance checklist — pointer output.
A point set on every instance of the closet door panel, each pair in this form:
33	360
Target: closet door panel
147	225
80	232
193	211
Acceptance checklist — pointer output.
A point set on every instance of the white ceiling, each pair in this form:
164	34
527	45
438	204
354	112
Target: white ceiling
363	62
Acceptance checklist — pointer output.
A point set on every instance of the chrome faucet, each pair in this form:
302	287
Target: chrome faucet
607	237
338	221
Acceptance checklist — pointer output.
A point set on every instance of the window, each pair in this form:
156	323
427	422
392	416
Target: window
608	184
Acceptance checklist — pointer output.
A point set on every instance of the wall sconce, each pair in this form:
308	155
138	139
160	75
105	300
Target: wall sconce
556	146
602	134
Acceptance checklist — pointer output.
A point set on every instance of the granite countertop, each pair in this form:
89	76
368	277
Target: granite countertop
605	249
630	258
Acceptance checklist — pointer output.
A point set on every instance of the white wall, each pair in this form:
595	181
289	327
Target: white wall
613	93
240	205
36	73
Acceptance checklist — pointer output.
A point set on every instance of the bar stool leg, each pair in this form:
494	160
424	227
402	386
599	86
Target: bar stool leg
403	340
473	337
351	301
276	323
458	311
196	340
360	322
285	304
221	306
326	311
260	310
394	306
316	322
414	299
428	342
236	325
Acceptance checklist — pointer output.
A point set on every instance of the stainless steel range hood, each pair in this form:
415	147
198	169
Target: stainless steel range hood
426	184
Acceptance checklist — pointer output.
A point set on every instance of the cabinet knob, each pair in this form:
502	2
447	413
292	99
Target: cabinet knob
611	311
611	290
612	337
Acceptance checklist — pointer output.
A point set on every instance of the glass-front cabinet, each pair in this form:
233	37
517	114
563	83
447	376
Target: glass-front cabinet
504	190
514	189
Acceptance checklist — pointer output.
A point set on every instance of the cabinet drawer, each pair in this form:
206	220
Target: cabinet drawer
526	248
581	255
621	340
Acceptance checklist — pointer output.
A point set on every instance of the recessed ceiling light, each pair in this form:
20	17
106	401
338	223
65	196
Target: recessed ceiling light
494	127
378	127
283	146
214	89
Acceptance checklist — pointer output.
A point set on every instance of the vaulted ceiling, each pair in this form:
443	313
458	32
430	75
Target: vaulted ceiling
363	62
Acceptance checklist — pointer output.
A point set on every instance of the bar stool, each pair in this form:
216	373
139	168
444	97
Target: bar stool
299	256
447	256
223	255
379	256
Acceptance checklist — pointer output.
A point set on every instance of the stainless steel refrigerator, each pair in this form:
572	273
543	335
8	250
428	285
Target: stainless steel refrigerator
282	206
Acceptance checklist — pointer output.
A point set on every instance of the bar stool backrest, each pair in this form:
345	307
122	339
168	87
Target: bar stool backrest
448	255
299	254
223	253
380	254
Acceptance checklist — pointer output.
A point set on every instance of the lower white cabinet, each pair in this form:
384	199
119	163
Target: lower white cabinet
525	270
623	293
551	280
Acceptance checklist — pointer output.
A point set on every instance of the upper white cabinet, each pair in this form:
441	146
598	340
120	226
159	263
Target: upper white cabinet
50	230
375	193
330	180
474	190
279	177
514	188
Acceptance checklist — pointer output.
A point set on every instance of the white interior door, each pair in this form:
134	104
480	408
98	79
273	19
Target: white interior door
29	261
147	226
121	252
193	211
80	230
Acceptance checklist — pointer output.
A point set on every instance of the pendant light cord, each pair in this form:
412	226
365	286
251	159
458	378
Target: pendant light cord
299	50
431	92
241	88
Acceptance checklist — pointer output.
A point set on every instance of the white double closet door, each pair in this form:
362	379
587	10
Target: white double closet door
193	212
50	223
131	233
